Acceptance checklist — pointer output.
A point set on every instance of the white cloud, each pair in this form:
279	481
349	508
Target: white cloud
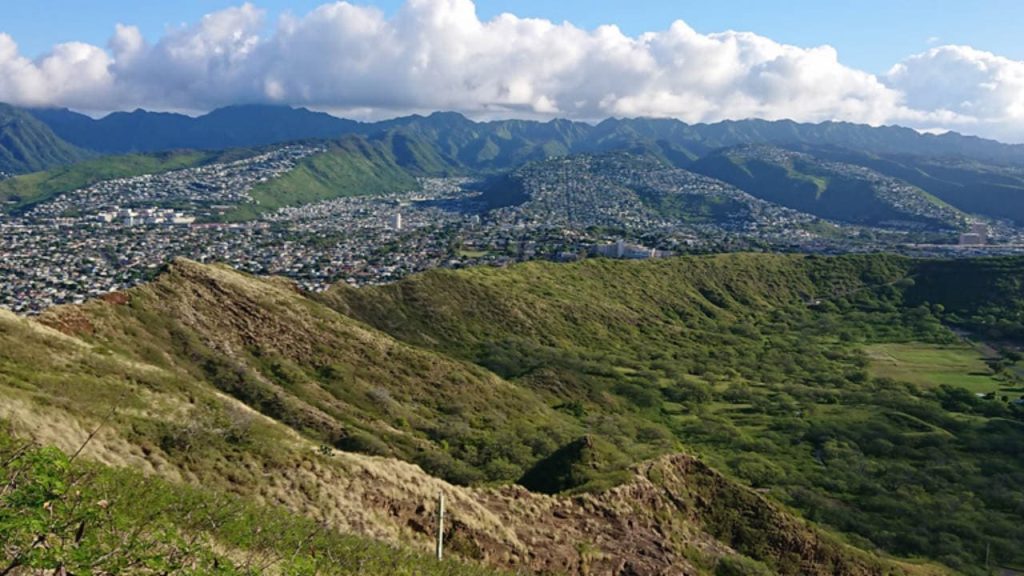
70	72
437	54
972	90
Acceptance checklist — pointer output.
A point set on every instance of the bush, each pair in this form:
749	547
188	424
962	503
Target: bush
641	396
757	470
741	566
690	392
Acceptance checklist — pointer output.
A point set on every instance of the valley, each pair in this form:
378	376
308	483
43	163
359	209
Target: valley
511	288
104	225
482	377
637	347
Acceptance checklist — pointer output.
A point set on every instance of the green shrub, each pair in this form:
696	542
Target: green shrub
741	566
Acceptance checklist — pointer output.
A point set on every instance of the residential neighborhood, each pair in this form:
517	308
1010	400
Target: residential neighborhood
117	233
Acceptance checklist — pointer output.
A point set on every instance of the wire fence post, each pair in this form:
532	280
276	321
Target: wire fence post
440	526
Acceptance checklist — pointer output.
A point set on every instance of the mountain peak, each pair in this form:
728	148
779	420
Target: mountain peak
448	115
448	119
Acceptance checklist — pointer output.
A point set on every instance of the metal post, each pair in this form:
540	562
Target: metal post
440	526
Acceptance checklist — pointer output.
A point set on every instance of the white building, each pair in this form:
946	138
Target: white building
620	249
976	235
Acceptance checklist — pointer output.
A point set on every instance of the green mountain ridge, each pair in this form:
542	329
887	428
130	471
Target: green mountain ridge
707	360
842	192
352	166
759	365
702	412
498	141
28	145
888	177
233	383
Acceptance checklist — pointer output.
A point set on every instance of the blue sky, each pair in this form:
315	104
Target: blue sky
929	64
869	34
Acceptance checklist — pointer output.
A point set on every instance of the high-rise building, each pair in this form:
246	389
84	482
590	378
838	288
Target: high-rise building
396	221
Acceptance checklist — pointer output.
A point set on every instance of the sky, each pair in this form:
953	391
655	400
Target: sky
933	65
869	34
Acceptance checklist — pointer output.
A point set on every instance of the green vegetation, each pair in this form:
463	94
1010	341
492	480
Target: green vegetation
836	192
932	365
984	297
171	355
586	464
64	516
29	189
975	187
351	167
561	377
28	145
759	364
325	374
741	566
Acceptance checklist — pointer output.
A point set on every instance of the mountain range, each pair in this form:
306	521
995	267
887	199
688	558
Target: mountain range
232	127
735	414
833	169
850	173
502	142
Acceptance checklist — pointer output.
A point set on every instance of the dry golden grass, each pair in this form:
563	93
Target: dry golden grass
53	427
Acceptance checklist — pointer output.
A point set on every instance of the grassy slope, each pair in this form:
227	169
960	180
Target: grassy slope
324	374
932	365
170	354
351	167
38	187
157	418
722	355
804	185
83	511
26	144
725	354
